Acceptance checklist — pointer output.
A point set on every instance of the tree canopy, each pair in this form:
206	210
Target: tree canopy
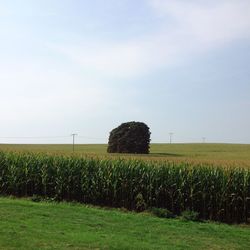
130	137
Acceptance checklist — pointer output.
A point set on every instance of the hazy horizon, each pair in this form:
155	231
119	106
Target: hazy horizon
85	67
174	143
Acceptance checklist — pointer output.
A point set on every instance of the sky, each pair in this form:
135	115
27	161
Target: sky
85	67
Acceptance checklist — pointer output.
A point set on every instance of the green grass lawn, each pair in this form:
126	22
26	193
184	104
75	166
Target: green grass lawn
28	225
220	154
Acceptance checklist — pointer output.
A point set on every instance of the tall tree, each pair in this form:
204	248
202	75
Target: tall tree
130	137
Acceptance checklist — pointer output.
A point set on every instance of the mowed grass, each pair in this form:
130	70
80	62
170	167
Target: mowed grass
218	154
29	225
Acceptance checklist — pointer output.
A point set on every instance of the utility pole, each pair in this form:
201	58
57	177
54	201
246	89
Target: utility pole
170	137
73	135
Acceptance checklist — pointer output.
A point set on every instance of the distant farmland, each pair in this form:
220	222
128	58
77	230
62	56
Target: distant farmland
236	155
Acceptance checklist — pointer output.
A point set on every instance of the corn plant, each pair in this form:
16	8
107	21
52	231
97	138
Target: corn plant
215	193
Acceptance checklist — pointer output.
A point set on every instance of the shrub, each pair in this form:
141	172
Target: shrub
130	137
162	212
190	215
36	198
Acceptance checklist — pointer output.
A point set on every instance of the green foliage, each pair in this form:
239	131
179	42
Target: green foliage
215	193
130	137
140	204
36	198
190	215
162	212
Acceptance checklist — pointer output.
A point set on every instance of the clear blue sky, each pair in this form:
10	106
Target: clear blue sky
87	66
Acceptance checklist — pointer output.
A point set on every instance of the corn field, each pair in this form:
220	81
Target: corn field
215	193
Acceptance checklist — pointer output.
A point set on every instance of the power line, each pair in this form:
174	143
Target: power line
48	137
94	138
31	137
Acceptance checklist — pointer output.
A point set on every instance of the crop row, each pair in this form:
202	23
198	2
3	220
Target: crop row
215	193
